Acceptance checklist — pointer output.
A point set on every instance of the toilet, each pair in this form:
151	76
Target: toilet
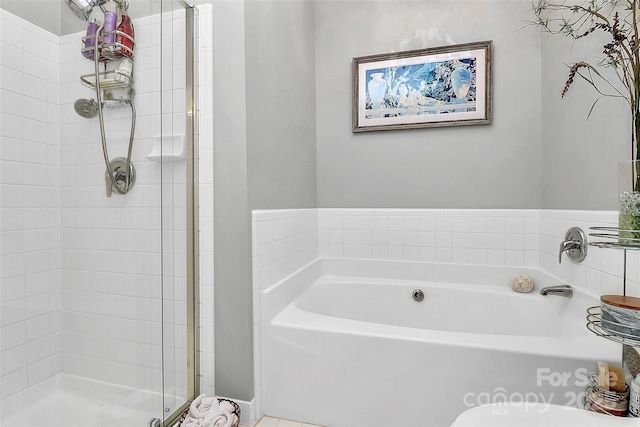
522	414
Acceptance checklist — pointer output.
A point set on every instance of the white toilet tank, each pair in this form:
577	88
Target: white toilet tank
522	414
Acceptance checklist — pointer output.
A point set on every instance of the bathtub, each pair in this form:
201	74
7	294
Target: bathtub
345	343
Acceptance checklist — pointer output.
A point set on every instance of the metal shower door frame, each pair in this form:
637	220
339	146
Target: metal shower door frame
192	217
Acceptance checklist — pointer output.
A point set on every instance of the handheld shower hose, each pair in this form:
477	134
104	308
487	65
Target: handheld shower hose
112	181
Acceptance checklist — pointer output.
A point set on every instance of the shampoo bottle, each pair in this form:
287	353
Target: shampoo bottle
90	39
110	22
634	398
125	44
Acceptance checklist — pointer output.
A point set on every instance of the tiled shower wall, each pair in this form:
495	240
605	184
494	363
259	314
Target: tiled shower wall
30	313
116	286
83	274
111	259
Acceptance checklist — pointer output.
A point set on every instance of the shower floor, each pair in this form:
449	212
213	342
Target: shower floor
70	401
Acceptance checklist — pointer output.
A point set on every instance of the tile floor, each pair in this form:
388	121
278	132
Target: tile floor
277	422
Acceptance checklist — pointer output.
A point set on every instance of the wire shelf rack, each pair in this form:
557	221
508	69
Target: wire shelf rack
607	402
109	79
615	238
612	330
120	49
108	51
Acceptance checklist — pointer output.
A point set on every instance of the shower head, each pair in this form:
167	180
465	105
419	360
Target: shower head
87	108
83	8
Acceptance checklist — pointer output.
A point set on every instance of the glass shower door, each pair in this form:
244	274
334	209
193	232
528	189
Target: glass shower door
179	194
93	289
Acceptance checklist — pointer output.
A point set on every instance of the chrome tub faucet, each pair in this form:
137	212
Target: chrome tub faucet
560	290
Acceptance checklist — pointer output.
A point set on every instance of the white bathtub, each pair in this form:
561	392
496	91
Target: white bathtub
345	344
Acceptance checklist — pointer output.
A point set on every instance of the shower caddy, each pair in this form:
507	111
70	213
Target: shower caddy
120	174
630	339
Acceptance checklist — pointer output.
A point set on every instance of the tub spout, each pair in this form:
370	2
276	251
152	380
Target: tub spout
561	290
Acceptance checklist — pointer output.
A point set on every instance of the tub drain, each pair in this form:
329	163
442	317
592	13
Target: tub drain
417	295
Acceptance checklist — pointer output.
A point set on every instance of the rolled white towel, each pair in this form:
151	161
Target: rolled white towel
209	412
191	422
219	419
209	404
194	412
202	404
227	407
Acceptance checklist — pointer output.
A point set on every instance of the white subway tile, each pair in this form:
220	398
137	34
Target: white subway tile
611	284
496	224
13	335
460	255
365	251
336	250
427	254
478	256
411	238
496	257
365	222
13	359
351	236
411	223
514	257
478	224
531	258
336	221
14	382
444	224
394	252
514	225
610	262
427	222
411	253
395	223
350	250
336	236
379	237
444	254
350	222
460	224
380	251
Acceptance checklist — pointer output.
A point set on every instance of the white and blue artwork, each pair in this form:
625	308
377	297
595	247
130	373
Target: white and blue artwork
420	89
433	87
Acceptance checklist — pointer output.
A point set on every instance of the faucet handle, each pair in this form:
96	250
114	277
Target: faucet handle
574	244
565	246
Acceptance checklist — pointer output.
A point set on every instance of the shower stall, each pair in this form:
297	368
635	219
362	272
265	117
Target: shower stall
100	217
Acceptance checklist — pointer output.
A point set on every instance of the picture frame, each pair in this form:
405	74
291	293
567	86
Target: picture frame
433	87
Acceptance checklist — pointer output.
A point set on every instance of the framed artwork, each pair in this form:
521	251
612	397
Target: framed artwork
434	87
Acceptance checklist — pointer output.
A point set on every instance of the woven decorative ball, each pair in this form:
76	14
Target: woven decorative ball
522	283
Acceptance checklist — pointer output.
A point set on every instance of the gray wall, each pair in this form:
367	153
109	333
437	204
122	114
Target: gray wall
232	246
45	14
264	98
579	156
495	166
281	107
